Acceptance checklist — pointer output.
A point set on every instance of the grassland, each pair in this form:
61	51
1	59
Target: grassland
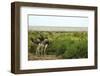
62	45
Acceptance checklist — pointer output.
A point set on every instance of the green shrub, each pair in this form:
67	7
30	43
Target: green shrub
77	50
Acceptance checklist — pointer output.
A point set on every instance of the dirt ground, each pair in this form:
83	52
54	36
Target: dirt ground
45	57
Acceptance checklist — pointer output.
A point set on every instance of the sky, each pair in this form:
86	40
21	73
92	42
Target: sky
58	21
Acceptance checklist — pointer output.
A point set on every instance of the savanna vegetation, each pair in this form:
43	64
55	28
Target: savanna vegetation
62	45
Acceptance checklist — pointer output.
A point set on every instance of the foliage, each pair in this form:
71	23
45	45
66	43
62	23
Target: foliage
68	45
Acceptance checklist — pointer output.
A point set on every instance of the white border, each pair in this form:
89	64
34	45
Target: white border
25	64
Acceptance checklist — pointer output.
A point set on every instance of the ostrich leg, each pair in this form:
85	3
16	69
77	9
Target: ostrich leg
45	47
38	50
41	49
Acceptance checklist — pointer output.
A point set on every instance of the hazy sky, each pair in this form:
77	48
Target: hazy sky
59	21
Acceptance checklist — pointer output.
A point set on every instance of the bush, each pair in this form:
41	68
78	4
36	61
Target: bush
77	50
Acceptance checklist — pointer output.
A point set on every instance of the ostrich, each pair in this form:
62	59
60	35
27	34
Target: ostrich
42	44
37	42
